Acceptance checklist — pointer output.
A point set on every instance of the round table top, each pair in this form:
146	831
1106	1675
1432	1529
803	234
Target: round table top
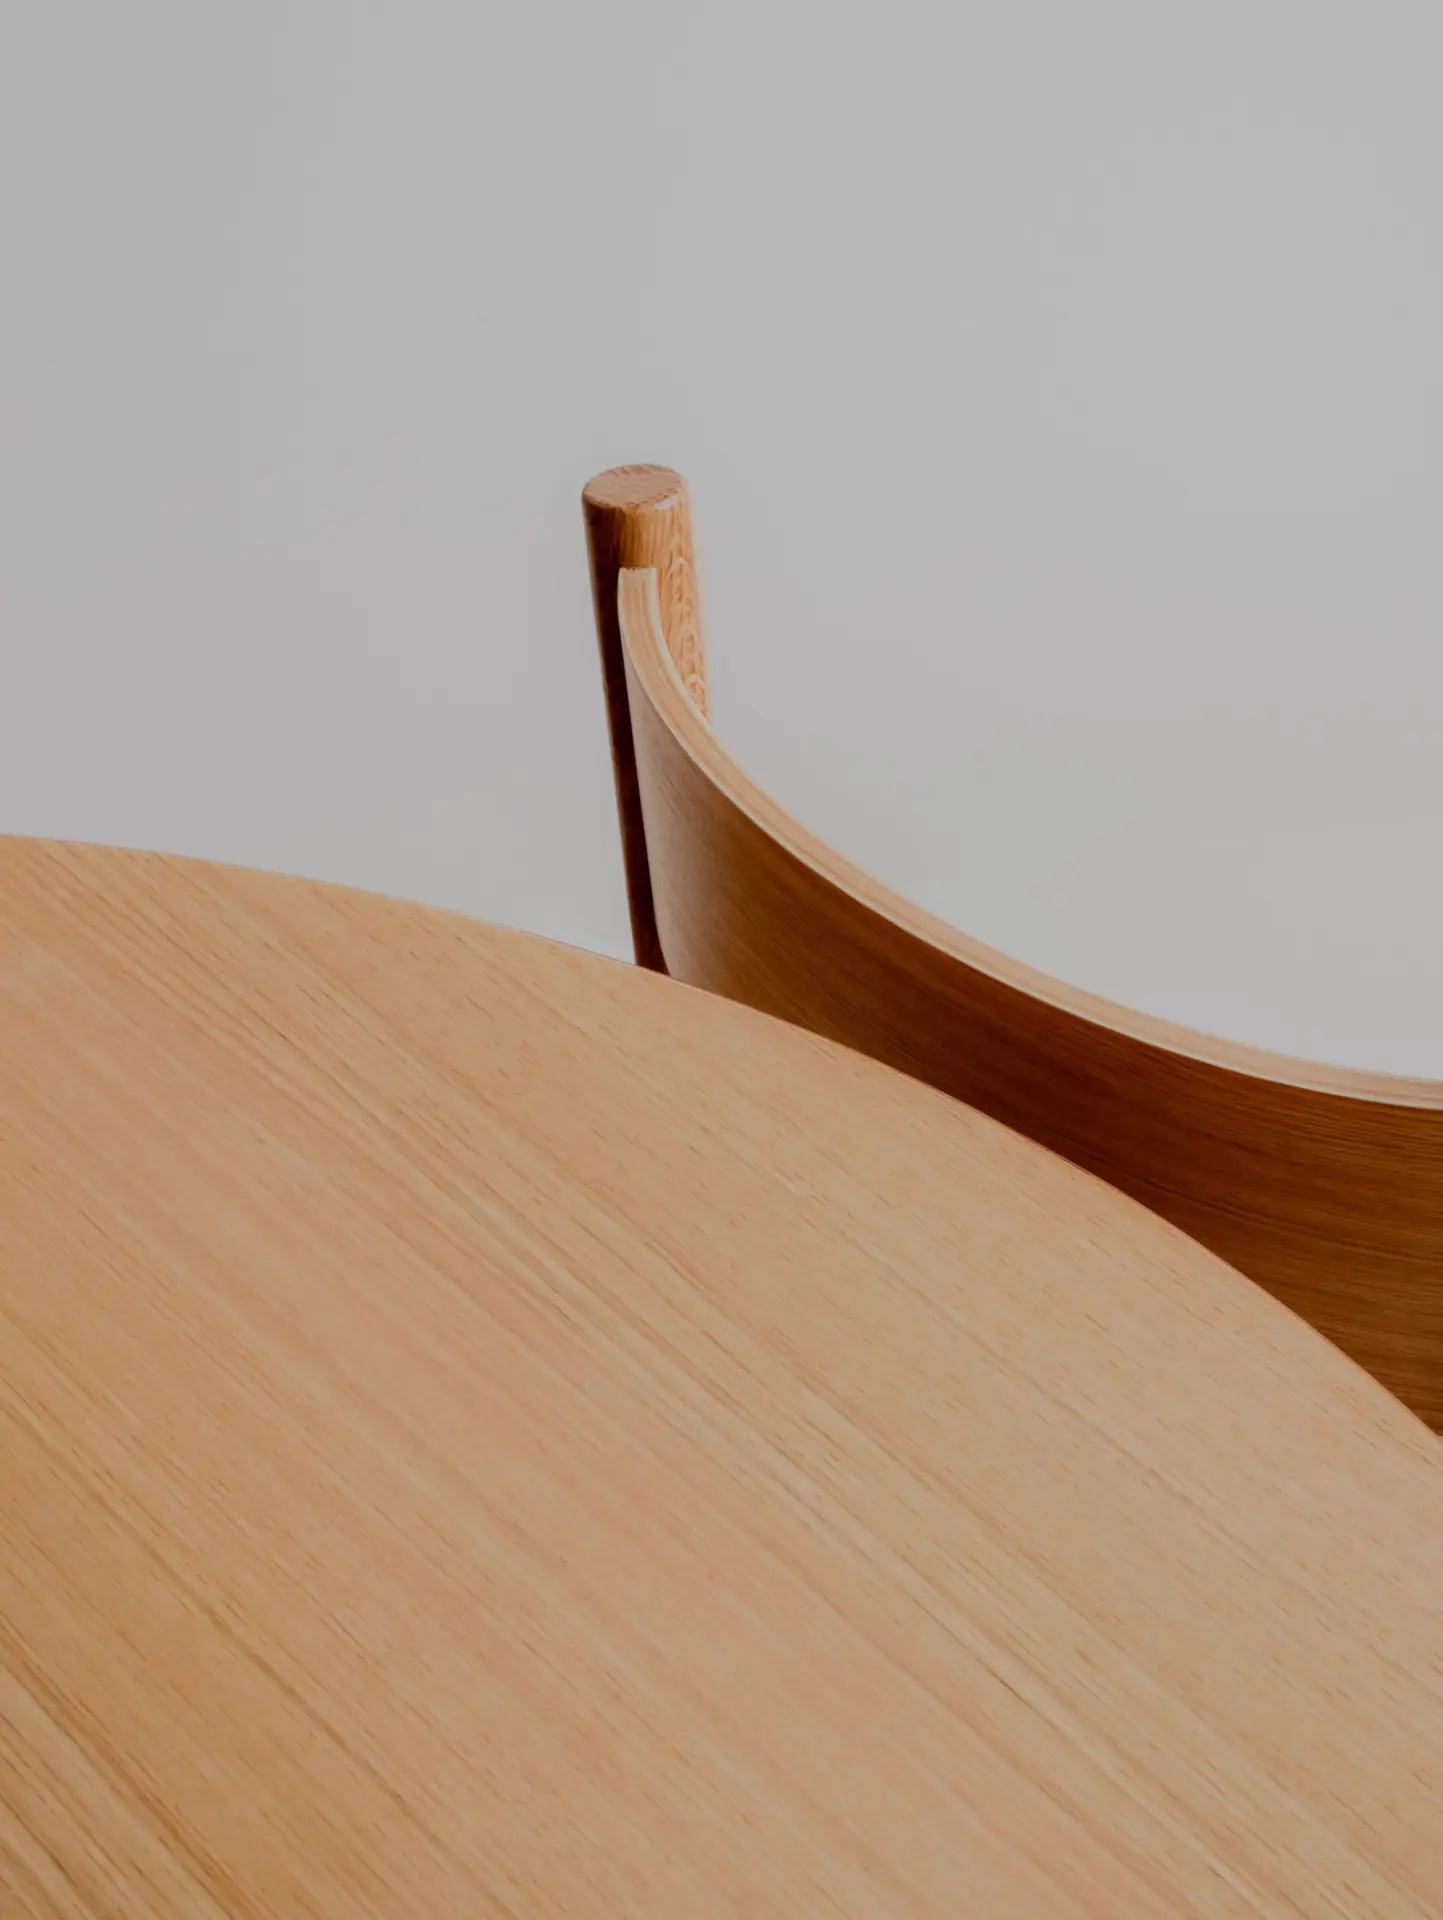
485	1430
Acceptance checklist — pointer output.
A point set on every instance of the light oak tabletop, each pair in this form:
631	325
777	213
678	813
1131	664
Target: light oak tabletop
487	1430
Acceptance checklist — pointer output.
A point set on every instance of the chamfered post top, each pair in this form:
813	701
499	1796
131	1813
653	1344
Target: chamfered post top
638	489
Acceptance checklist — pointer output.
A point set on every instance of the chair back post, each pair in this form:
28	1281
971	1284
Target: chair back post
640	516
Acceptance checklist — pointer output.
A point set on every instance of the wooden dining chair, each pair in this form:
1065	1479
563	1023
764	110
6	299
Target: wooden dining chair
1322	1184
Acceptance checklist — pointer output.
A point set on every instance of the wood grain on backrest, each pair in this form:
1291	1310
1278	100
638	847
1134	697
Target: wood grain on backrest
641	517
1321	1184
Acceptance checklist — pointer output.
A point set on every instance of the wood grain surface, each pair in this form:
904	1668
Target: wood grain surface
485	1430
641	517
1324	1185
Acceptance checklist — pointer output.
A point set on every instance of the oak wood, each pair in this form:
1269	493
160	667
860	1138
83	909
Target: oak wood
487	1431
1324	1185
641	517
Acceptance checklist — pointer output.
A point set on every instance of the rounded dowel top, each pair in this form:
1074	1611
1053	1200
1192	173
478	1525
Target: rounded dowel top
635	489
640	516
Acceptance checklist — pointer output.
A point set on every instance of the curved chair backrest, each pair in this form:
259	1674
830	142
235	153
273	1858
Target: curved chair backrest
1323	1185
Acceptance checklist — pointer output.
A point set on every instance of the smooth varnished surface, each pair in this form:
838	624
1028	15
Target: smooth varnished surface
641	517
484	1430
1324	1185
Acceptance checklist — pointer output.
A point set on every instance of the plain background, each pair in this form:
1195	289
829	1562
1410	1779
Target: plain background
1061	388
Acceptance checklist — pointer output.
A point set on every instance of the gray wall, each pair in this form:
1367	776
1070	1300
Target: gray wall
1060	387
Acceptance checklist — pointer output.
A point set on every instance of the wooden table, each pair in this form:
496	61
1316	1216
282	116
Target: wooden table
487	1431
